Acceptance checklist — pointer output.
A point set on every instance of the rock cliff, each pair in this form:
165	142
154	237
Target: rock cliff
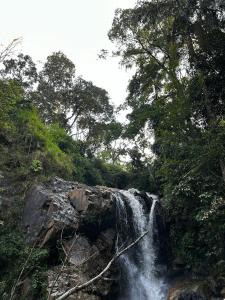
78	224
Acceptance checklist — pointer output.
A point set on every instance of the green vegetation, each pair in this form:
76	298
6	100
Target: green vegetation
178	92
51	124
55	123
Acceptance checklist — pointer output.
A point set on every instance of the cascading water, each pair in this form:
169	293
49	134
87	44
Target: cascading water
138	264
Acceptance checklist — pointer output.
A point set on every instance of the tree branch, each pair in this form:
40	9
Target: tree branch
63	264
115	257
7	51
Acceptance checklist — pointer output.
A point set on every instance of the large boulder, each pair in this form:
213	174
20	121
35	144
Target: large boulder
66	206
78	223
47	213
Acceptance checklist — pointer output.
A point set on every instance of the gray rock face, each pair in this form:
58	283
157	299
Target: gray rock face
47	213
79	199
65	206
82	220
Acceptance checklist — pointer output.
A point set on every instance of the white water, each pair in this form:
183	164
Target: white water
139	267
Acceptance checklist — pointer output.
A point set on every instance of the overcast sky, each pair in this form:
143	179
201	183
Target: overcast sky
76	27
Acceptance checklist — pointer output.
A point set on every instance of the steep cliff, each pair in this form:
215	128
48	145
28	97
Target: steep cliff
79	224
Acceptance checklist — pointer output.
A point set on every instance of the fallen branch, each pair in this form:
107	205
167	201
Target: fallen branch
116	256
64	262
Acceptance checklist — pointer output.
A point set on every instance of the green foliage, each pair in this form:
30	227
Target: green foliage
113	175
13	257
30	149
70	101
42	143
36	166
21	69
10	94
51	123
178	92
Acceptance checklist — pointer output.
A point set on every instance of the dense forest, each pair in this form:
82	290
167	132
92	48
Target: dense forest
53	123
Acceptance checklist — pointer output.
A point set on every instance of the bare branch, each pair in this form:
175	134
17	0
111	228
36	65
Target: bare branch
63	264
100	275
8	50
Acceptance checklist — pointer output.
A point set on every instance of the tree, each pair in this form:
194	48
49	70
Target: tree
10	95
55	88
76	104
178	49
177	91
21	69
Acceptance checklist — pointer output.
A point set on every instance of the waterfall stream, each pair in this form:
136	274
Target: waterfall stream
138	265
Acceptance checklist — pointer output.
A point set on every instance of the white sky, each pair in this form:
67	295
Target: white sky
76	27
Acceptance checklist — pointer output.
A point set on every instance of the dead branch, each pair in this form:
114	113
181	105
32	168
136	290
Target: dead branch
115	257
8	50
64	262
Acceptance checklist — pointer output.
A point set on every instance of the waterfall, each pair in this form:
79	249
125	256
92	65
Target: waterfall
138	264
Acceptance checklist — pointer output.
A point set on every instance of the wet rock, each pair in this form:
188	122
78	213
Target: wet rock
190	290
